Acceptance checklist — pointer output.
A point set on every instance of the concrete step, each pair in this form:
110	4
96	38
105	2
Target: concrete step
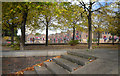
55	69
41	70
70	66
81	55
30	73
75	59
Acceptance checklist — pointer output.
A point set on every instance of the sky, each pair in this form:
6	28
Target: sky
43	32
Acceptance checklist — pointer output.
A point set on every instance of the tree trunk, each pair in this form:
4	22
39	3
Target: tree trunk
90	31
47	35
119	39
98	38
113	38
90	27
12	35
73	33
23	29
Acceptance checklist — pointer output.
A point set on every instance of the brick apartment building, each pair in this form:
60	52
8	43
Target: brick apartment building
65	37
37	39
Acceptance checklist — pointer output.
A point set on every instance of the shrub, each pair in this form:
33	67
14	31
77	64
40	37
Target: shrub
16	45
80	40
94	40
74	42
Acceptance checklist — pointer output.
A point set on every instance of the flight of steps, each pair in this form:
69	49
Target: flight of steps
64	65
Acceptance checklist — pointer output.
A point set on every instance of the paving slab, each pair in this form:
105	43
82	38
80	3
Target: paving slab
99	66
30	73
75	59
55	69
81	55
41	70
70	66
107	62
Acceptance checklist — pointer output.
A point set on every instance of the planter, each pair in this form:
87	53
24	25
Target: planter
73	42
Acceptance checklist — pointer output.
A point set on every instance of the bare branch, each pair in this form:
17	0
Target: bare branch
6	25
93	3
77	20
100	12
99	7
82	13
96	9
83	4
44	23
49	21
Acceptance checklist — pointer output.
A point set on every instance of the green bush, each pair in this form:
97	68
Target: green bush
74	42
80	40
16	45
94	40
18	40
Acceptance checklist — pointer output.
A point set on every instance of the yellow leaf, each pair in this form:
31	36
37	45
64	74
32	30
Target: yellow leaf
18	6
11	10
38	6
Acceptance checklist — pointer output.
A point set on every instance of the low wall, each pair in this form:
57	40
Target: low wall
67	44
27	53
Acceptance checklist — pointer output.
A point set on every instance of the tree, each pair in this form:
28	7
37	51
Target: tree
112	17
98	24
71	16
24	9
88	7
47	15
10	19
21	10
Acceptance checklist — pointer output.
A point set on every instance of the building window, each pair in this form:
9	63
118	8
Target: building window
80	36
105	32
